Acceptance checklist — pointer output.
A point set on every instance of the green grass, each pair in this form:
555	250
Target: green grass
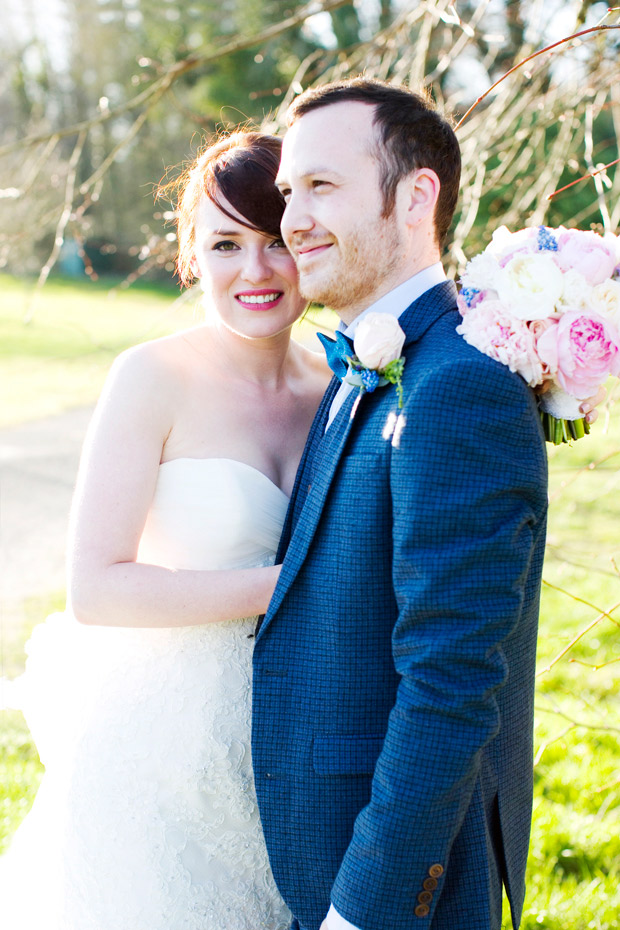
574	865
60	358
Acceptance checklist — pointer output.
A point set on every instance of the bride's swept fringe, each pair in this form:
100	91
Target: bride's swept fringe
237	170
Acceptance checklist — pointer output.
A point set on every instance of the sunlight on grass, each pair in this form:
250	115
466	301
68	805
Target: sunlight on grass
60	359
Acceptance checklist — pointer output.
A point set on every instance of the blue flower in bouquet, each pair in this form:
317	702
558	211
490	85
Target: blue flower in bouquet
546	240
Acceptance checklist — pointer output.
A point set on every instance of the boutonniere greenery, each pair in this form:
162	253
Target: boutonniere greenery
377	344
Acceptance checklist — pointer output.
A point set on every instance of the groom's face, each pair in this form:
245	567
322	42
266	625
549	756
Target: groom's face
347	254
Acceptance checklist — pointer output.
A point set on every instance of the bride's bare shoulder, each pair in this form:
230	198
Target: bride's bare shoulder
167	356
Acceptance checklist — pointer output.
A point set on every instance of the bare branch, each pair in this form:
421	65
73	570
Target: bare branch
161	85
582	724
580	635
524	61
62	223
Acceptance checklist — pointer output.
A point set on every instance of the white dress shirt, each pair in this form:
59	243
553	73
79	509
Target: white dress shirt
394	302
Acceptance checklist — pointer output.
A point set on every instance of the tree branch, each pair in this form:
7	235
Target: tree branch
161	85
524	61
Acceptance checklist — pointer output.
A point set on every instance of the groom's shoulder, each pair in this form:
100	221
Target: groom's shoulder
442	356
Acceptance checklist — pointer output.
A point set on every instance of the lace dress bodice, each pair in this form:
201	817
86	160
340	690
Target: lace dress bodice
146	818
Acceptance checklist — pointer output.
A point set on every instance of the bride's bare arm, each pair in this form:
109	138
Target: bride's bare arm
115	487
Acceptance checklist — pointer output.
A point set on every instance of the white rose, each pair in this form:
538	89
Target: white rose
482	272
531	286
503	241
577	292
378	340
605	299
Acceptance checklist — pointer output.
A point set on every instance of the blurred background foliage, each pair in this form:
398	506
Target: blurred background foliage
99	99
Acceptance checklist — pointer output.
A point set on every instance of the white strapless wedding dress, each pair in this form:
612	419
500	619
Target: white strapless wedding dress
146	818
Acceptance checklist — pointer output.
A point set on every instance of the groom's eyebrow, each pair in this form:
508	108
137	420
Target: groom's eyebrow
308	173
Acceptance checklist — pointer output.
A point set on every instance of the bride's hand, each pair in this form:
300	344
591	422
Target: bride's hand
587	406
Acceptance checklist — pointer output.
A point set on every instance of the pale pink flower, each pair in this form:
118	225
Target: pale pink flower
583	349
492	330
591	255
537	328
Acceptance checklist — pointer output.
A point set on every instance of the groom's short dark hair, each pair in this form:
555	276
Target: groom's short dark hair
413	135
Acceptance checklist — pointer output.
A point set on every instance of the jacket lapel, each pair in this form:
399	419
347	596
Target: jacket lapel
302	478
323	450
318	475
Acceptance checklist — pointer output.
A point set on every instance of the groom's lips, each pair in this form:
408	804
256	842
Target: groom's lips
309	251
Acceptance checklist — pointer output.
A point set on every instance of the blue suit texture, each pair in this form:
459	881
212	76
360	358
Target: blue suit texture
394	670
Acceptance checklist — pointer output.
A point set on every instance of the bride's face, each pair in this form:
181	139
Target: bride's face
249	278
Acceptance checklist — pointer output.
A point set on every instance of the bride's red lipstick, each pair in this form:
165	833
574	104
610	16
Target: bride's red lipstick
262	298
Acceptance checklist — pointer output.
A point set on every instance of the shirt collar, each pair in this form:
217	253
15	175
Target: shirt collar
396	301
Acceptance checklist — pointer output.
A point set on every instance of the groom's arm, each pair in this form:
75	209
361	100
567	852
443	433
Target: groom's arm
468	482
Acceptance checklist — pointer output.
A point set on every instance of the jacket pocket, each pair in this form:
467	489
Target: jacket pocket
346	755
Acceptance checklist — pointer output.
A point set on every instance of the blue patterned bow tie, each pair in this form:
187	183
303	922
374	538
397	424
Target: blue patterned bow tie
337	351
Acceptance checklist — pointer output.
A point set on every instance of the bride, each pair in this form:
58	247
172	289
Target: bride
138	696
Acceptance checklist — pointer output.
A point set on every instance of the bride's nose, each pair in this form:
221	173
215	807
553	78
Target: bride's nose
256	266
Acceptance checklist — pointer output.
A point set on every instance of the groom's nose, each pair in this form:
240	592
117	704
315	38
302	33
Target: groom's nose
296	218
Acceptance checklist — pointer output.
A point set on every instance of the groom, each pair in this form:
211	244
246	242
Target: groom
394	670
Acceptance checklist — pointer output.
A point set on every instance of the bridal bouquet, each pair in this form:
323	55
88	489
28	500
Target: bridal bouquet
546	303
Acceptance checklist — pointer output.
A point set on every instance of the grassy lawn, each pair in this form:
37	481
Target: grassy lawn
60	359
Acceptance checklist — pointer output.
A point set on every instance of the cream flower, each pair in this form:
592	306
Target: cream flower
378	340
605	299
531	286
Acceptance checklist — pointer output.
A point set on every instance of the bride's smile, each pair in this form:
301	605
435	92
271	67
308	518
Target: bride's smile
248	277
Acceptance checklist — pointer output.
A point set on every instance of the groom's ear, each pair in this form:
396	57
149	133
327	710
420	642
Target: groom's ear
422	191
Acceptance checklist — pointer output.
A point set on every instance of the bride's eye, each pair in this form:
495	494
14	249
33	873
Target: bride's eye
225	245
277	244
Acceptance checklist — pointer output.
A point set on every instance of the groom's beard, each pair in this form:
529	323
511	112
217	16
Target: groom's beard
355	267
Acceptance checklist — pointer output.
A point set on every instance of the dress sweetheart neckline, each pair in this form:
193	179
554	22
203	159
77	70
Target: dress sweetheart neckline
257	471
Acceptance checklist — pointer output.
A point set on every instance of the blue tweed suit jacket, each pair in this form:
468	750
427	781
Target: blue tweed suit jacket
394	670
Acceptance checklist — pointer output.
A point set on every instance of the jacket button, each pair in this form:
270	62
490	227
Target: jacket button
425	897
422	910
429	884
436	870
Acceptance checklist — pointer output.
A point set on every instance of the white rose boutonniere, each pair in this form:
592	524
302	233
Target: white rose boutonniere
378	344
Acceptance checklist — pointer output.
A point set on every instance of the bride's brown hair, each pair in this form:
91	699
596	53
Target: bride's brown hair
241	168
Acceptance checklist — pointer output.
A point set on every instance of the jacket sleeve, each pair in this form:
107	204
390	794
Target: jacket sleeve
469	491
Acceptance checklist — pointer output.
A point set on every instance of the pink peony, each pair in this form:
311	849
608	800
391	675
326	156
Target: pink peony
592	256
492	330
537	328
583	349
